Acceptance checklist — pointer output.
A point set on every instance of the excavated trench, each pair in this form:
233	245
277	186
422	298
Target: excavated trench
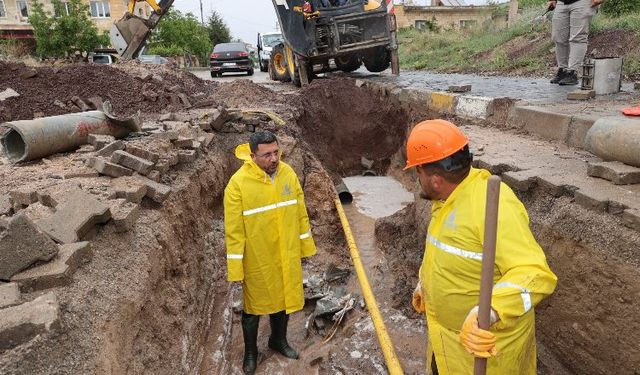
162	304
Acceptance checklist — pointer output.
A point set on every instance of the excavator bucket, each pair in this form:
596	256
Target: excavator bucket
128	36
130	33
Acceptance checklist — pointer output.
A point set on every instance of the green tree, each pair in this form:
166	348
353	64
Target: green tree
218	30
182	34
67	31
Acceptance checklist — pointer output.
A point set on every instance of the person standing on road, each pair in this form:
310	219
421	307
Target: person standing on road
267	233
449	287
570	32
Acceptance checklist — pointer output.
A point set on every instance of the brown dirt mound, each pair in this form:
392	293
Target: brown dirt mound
613	43
361	124
123	87
243	93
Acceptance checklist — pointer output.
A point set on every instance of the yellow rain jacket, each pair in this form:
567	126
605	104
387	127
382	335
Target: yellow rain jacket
267	233
450	279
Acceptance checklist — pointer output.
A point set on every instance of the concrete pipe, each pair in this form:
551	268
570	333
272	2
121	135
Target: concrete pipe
343	193
32	139
615	139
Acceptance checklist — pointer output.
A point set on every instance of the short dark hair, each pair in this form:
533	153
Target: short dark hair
259	138
454	168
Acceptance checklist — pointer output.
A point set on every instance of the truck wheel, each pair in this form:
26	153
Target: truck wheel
348	63
278	64
377	59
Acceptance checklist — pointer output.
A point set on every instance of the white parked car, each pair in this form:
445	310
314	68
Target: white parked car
266	41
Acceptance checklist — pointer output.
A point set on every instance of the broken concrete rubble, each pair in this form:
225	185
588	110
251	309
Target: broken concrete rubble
156	191
6	205
75	218
8	93
22	244
23	197
124	214
109	149
187	156
98	141
58	272
9	294
616	172
136	163
20	324
129	188
143	153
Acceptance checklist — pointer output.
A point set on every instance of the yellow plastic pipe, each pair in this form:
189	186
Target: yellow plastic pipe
393	364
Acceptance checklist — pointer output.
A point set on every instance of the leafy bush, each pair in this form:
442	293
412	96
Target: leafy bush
162	50
617	8
67	31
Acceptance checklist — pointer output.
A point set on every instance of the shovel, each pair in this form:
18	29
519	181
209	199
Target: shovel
541	18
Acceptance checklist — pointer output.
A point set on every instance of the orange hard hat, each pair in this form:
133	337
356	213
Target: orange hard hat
433	140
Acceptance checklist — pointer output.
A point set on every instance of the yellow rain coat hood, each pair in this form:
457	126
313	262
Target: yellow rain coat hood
450	279
267	233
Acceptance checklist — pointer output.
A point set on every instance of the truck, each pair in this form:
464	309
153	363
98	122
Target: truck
266	42
327	35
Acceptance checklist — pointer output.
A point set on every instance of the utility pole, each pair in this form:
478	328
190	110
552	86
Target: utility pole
201	13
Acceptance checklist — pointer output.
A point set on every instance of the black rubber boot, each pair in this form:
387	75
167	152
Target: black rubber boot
250	333
570	78
559	76
278	339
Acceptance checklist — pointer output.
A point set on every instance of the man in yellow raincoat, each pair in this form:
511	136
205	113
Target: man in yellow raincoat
449	286
267	233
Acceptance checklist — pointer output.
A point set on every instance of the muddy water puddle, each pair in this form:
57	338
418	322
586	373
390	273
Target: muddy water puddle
374	197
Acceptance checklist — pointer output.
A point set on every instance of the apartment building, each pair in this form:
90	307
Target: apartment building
14	15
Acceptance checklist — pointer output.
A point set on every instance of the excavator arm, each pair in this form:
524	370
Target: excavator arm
129	34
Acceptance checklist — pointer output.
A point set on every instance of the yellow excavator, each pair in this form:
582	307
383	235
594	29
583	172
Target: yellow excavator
130	33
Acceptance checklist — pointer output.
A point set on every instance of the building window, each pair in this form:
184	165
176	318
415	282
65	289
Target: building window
100	9
3	13
421	24
62	10
23	8
467	24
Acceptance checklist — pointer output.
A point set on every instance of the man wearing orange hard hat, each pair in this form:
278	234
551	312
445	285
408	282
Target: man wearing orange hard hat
449	286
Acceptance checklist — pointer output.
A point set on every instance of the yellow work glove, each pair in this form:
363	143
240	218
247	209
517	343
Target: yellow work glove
418	299
476	341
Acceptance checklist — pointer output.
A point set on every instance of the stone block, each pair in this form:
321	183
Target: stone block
187	156
614	171
591	200
459	88
22	243
636	85
98	141
156	191
75	218
205	140
631	218
166	117
138	164
37	211
107	168
217	118
581	95
541	122
23	197
58	272
443	102
6	205
183	142
20	324
474	107
162	167
129	188
142	153
168	135
109	149
521	180
9	294
552	185
124	215
184	99
204	124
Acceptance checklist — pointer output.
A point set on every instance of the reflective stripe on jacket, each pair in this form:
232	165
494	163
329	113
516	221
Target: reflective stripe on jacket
450	279
267	233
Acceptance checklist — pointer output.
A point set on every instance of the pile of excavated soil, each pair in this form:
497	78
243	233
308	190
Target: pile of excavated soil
343	123
49	90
